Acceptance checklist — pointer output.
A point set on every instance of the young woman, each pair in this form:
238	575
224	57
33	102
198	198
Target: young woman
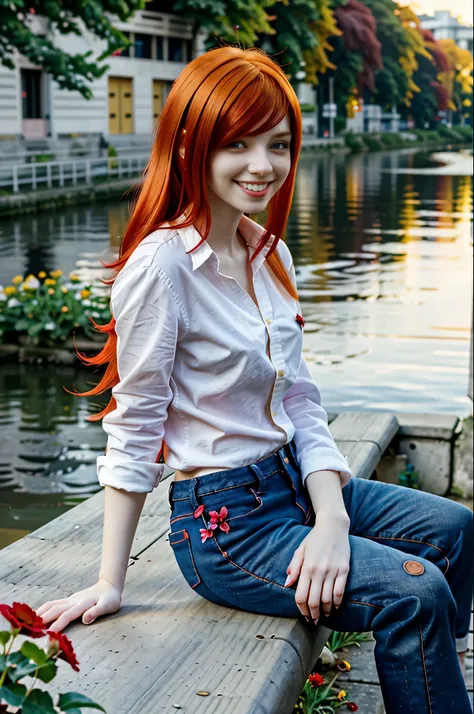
205	363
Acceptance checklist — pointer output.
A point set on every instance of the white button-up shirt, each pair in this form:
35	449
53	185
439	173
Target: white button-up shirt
197	386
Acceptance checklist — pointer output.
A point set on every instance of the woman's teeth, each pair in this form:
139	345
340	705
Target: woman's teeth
253	186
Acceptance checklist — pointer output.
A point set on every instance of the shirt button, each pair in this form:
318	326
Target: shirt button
281	373
269	322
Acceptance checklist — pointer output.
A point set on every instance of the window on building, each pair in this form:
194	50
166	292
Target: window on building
125	51
143	46
31	93
189	50
175	49
159	47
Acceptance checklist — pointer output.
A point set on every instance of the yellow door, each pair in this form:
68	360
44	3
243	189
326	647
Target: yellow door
158	94
126	105
120	105
114	120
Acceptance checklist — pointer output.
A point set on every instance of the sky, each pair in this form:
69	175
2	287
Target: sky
459	8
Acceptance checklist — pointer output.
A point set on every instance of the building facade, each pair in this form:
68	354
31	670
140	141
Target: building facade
445	26
127	99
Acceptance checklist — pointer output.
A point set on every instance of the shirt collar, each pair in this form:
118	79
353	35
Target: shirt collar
251	231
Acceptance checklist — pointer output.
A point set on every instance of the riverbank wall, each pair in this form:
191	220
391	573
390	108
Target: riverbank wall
44	199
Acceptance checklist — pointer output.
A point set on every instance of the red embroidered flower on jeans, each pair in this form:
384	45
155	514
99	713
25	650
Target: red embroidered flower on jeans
352	706
23	618
205	534
218	520
300	320
198	512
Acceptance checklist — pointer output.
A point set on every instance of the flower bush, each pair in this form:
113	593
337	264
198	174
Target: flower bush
320	697
47	310
34	662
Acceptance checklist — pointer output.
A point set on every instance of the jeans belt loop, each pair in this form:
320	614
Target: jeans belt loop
192	493
261	478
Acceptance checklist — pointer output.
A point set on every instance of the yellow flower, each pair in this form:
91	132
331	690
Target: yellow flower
50	291
64	308
10	290
42	274
85	294
55	273
64	290
49	281
342	694
344	665
73	277
30	315
17	279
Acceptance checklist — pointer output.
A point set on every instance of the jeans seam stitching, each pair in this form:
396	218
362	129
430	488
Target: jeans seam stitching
424	670
240	567
412	540
361	602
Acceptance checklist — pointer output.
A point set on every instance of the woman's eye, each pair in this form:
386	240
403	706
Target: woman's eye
282	143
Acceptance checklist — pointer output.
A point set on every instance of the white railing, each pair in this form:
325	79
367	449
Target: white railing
70	173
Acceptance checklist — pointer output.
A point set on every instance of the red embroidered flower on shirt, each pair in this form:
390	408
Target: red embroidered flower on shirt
300	320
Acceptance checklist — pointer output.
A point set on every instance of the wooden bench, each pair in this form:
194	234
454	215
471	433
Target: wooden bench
167	648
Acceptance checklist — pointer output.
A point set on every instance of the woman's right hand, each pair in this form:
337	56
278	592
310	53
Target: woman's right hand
102	598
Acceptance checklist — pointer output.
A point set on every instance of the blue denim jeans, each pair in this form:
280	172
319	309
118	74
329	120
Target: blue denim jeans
410	578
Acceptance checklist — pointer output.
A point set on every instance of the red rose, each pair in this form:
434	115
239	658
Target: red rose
23	618
352	706
316	680
66	649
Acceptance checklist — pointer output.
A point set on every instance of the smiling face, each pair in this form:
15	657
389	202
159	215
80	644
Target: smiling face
236	171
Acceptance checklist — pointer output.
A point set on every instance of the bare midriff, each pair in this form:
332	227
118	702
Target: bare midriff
194	473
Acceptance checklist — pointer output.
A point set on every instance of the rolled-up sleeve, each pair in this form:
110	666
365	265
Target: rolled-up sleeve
146	323
316	449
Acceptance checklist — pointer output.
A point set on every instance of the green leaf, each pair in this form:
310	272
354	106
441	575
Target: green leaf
72	700
47	672
21	325
22	671
13	694
32	651
17	658
38	702
4	637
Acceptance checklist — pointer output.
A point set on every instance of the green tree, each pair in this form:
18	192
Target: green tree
70	71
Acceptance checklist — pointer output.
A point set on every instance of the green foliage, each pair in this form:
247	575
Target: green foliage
48	310
338	640
70	71
354	142
308	108
37	663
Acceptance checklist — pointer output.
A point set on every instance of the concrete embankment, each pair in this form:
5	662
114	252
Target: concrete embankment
32	201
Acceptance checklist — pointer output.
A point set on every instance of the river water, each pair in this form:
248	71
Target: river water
382	245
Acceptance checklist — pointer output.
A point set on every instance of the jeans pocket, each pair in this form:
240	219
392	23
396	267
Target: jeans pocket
181	545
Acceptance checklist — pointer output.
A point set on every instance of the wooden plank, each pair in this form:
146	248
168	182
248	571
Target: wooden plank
363	457
375	427
427	426
166	643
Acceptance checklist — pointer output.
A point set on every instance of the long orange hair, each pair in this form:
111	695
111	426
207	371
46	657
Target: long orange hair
220	96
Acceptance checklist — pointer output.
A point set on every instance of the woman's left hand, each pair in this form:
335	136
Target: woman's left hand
321	562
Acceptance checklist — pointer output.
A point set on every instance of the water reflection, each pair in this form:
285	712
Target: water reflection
383	262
